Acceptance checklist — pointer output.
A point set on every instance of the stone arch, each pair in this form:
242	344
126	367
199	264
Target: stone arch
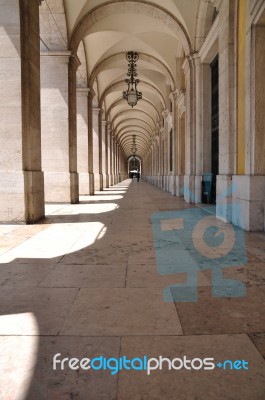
122	56
126	142
131	6
135	127
134	119
122	101
132	111
143	138
120	85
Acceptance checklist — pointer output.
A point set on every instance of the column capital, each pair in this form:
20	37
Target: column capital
189	62
97	110
55	56
173	95
162	132
75	61
82	91
91	93
195	57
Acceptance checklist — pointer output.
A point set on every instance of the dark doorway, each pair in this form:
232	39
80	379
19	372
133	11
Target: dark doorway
215	125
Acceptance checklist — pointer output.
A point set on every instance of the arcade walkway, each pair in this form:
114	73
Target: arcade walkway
84	283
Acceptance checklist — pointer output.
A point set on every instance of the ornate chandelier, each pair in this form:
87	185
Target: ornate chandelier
131	94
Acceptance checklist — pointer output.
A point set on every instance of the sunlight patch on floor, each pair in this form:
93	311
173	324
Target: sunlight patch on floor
56	240
18	354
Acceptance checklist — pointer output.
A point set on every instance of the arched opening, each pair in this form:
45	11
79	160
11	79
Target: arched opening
134	166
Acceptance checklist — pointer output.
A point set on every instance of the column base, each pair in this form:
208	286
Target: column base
22	196
172	184
74	189
83	183
198	189
97	182
165	183
224	198
107	181
189	189
91	184
34	187
179	185
248	201
159	181
162	182
101	182
57	187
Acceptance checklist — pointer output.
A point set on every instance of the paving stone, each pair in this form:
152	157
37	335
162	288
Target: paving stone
214	315
197	384
30	368
30	310
80	276
117	312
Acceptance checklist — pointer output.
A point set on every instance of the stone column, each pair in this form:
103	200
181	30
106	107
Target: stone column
74	63
111	160
180	141
115	161
206	117
189	178
198	130
91	94
55	138
82	140
104	155
107	153
162	155
227	111
96	149
249	188
119	162
21	179
165	155
176	144
101	133
157	160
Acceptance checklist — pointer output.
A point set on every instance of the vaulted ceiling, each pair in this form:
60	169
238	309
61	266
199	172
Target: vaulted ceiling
102	32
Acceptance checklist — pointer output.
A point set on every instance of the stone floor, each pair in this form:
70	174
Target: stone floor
111	277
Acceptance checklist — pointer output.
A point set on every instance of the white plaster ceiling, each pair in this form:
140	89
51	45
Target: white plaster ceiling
108	34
